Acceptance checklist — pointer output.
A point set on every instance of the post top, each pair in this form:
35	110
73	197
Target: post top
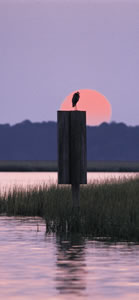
71	111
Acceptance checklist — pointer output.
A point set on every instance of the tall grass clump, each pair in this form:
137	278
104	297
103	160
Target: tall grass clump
111	210
108	210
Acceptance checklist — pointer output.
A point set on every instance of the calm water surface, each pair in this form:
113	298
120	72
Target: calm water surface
34	265
9	180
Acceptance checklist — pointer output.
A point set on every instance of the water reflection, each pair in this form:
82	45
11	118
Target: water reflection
35	265
71	266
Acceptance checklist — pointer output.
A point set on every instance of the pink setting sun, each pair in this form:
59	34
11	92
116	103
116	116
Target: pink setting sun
97	107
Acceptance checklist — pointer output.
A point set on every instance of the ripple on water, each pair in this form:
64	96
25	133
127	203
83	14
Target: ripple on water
35	265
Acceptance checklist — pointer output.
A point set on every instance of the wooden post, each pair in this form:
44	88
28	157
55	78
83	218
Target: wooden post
75	196
64	147
78	162
72	162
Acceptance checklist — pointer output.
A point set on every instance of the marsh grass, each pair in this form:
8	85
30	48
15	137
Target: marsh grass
108	210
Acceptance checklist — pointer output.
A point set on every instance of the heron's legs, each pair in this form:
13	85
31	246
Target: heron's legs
75	107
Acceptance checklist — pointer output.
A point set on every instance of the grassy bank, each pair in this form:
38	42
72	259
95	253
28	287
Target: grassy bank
108	210
52	166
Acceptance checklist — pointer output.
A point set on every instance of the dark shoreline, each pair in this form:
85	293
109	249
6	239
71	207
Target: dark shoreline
51	166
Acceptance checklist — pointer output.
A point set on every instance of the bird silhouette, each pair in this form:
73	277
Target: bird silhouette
75	99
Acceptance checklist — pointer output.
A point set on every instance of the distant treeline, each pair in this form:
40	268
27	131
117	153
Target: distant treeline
29	141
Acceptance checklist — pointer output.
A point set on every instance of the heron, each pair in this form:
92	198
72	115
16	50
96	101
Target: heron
75	99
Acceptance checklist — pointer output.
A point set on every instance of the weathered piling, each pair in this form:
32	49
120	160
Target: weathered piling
72	161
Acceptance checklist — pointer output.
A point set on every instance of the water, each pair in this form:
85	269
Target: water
9	180
34	265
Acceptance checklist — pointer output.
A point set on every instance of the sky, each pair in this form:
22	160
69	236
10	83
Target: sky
49	48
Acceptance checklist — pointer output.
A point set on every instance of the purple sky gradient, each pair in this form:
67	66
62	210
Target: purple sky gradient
50	48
